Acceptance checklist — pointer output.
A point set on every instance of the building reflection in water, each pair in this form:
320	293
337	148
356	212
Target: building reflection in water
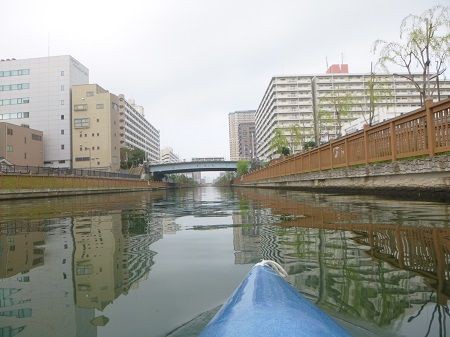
54	274
112	254
377	272
36	285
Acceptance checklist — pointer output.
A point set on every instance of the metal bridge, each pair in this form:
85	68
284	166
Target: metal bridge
159	170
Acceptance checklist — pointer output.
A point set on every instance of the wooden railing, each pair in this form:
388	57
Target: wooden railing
425	131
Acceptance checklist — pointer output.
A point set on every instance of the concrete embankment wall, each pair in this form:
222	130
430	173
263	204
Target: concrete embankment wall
427	177
25	186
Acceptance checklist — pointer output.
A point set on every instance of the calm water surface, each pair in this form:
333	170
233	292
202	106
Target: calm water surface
143	264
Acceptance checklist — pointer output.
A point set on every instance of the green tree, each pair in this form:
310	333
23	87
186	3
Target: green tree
131	157
376	92
309	145
279	142
181	179
242	167
424	44
335	108
225	179
295	137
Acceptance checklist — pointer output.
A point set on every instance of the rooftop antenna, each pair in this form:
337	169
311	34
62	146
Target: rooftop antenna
342	58
326	61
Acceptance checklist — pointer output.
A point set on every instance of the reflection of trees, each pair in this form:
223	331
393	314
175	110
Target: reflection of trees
329	253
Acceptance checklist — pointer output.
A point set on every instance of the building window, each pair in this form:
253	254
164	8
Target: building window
62	102
62	146
98	134
14	115
80	107
14	101
62	161
81	123
19	72
62	72
62	132
9	132
100	106
98	147
82	158
98	120
89	93
9	148
62	116
25	155
36	137
19	86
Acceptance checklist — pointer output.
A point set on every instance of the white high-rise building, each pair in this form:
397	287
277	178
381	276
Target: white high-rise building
309	103
168	156
37	92
137	132
241	125
288	101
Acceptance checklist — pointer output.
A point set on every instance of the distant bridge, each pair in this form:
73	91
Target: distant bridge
159	170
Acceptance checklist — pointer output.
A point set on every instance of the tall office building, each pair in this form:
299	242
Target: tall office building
95	128
136	131
36	92
309	102
241	125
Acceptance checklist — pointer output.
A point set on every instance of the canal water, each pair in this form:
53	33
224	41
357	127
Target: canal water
159	263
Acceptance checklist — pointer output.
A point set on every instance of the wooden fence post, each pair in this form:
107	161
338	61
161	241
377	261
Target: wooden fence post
366	145
331	154
346	151
320	161
393	141
430	126
309	153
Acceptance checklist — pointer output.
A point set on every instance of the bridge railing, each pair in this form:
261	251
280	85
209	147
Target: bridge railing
425	131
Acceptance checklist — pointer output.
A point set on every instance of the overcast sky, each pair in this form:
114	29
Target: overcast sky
190	63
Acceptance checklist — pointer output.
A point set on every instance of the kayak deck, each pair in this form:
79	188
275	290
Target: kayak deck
265	304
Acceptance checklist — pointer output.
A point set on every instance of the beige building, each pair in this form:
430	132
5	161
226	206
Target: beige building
21	145
95	128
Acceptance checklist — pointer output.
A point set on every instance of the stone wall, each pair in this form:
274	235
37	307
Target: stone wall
426	176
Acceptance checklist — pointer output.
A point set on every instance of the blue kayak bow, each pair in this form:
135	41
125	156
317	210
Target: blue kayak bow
265	305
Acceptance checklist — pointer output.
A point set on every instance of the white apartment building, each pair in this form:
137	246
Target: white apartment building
137	132
37	92
241	134
309	102
168	156
288	101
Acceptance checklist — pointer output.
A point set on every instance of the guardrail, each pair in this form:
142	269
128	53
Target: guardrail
425	131
50	171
